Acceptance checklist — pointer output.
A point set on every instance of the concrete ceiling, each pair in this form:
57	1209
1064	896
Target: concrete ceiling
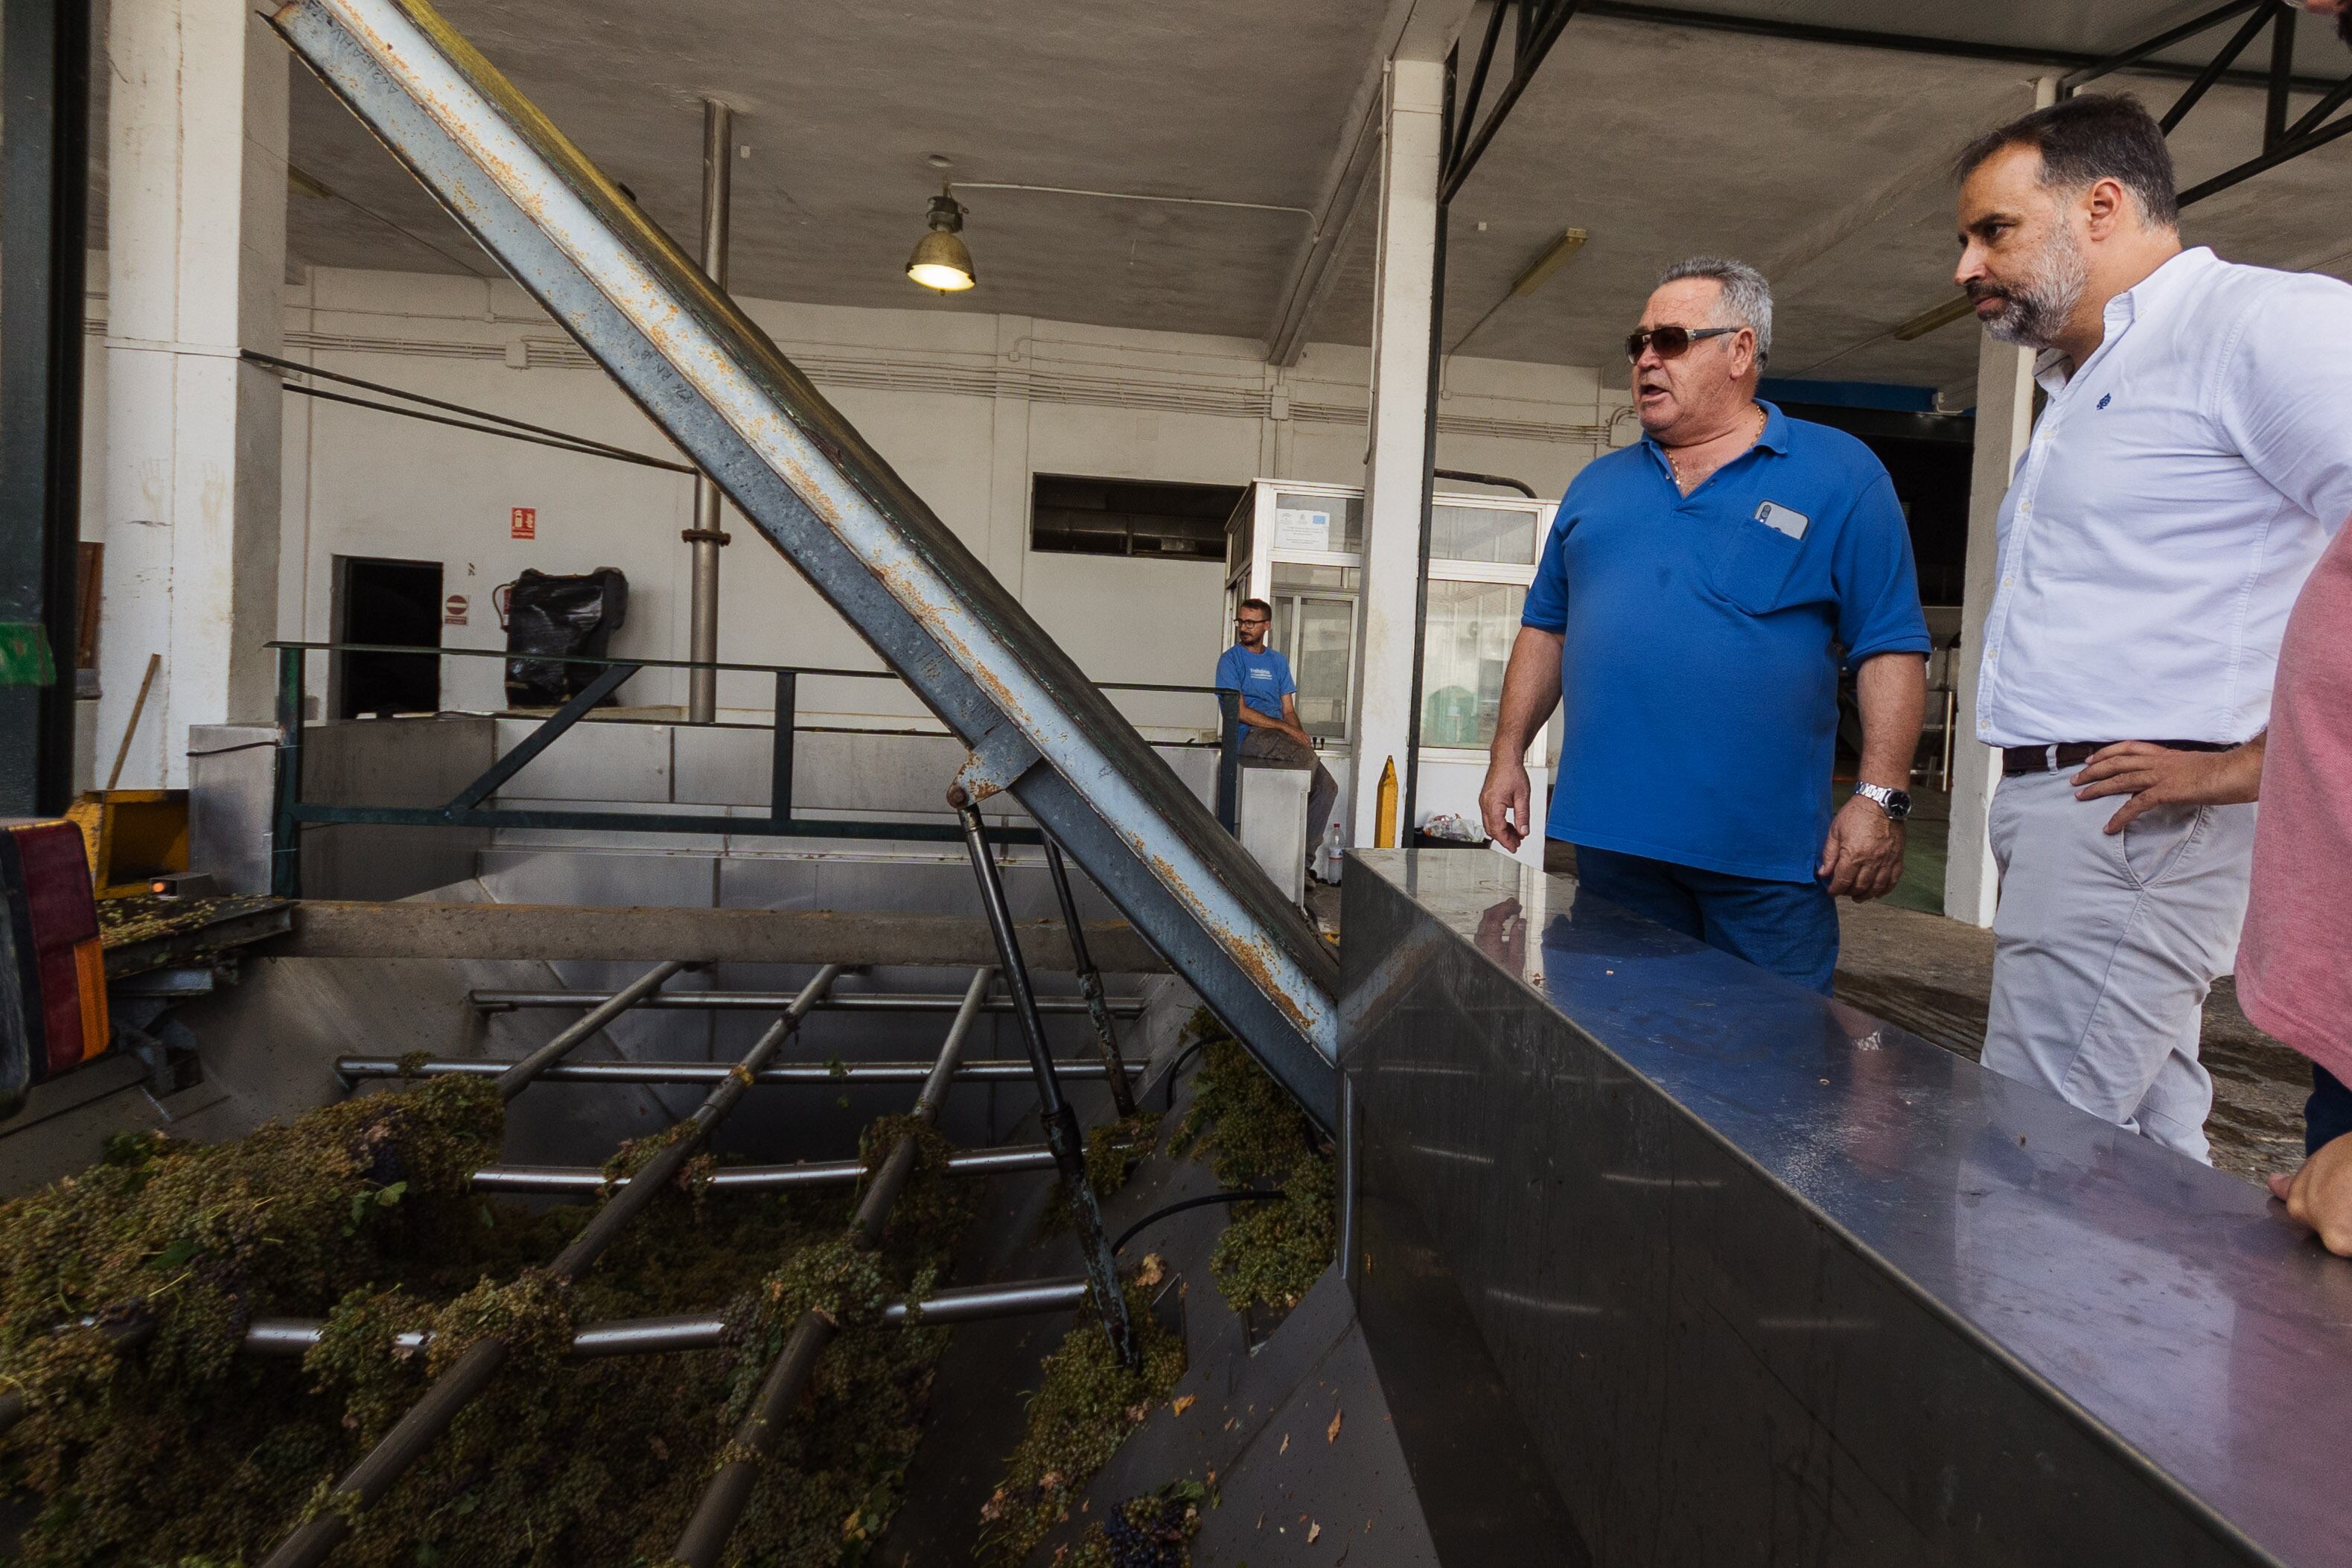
1230	99
1823	163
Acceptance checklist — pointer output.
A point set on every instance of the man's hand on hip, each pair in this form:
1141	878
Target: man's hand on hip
1503	802
1863	857
2154	775
2320	1194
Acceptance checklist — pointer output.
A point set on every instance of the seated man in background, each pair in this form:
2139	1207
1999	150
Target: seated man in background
1687	617
1271	733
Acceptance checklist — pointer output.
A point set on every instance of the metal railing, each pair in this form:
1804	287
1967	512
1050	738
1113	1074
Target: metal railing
290	812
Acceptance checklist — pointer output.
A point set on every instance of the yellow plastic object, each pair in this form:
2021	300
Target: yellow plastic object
130	835
1384	813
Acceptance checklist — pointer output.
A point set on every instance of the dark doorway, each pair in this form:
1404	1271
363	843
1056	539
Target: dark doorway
1929	457
396	603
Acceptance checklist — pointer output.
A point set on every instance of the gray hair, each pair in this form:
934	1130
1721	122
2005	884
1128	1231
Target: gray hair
1746	298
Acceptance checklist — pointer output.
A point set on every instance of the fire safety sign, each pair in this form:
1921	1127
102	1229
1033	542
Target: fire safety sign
452	610
525	522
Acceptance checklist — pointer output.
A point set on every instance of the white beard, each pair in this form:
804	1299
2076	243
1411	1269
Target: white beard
2037	311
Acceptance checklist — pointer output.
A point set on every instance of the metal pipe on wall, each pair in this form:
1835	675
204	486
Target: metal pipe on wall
706	538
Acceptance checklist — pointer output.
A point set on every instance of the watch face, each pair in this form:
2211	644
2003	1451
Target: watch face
1896	802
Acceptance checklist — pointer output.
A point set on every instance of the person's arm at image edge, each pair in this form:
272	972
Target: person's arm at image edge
1531	691
2320	1194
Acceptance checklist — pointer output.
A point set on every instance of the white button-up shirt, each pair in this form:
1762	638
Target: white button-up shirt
2179	486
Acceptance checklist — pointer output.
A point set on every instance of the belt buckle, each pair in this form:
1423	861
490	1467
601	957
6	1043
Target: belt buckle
2052	757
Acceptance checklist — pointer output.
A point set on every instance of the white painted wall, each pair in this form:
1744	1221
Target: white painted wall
968	408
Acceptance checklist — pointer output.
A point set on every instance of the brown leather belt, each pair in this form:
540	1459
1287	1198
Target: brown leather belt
2015	759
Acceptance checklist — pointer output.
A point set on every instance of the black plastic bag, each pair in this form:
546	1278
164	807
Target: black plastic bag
562	615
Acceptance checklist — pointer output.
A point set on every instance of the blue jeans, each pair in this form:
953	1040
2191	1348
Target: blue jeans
1788	928
2328	1114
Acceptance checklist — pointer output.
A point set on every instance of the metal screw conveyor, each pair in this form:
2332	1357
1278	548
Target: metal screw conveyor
628	1197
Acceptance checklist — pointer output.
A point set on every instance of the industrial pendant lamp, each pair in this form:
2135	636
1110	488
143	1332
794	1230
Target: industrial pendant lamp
940	260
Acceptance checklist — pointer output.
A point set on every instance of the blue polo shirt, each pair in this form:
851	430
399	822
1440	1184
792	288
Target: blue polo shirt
1261	678
1703	635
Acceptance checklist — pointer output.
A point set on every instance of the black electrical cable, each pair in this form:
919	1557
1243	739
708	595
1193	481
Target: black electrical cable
558	438
1240	1196
560	446
1177	1067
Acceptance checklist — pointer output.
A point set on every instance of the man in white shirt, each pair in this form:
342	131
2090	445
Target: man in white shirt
2194	456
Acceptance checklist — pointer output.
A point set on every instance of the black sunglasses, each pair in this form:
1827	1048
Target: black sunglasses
1671	343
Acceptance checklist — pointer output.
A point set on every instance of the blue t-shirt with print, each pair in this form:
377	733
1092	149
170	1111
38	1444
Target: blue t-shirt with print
1702	637
1263	678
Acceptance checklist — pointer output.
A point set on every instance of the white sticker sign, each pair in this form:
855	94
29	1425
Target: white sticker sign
1295	528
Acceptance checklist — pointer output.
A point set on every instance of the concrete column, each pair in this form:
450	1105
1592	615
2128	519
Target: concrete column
1398	465
195	273
2004	426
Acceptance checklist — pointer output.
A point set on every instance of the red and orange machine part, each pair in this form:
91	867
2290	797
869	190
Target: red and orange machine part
52	969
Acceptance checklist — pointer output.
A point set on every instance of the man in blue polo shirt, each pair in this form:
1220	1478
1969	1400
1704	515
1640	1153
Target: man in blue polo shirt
1271	731
1689	615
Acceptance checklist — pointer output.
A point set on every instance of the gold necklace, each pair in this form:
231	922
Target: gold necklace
1762	419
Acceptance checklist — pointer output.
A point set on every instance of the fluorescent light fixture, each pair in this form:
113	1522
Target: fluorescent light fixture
940	260
1926	322
1562	251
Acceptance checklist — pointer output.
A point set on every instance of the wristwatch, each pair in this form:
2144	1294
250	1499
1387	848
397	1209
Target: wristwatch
1895	802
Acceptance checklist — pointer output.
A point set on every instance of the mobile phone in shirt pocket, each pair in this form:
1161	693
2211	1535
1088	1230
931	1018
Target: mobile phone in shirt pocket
1752	566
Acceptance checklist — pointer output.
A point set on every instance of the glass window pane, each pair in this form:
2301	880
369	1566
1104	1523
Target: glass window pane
1482	533
1471	628
1325	648
1289	575
1317	522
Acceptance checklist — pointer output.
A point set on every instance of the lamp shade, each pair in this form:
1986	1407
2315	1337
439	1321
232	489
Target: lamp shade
940	261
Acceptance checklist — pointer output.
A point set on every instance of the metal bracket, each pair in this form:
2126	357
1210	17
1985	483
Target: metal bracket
1002	755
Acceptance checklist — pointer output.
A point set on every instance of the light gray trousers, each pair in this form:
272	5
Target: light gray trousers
2105	946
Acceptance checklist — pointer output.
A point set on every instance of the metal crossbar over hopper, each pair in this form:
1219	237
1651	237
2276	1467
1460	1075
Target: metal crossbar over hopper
709	377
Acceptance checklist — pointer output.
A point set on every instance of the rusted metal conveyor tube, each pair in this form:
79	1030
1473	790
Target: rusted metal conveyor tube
705	374
471	1374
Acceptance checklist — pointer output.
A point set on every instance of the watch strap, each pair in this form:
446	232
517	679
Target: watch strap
1886	800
